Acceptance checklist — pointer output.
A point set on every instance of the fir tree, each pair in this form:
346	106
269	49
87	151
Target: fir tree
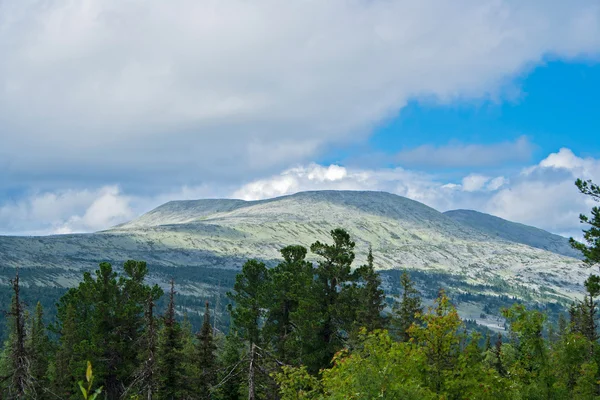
407	310
249	297
591	247
205	358
38	348
230	374
170	357
19	373
371	297
288	285
329	311
63	369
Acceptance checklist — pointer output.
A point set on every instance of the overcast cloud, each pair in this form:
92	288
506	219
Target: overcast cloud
180	92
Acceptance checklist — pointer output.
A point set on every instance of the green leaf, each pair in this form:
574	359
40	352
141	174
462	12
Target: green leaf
88	372
83	390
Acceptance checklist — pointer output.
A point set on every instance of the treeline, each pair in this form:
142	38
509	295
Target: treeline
299	330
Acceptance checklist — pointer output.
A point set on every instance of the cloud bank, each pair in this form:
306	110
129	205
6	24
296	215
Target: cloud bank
181	92
542	195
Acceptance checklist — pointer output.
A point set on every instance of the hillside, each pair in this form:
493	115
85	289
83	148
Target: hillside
202	243
514	232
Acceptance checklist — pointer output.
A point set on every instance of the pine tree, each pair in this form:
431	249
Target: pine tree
407	310
371	297
38	347
146	378
230	374
170	357
21	382
289	282
329	312
440	340
64	376
249	297
109	320
591	247
205	358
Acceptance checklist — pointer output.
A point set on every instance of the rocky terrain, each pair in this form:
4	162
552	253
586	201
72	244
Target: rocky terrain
202	243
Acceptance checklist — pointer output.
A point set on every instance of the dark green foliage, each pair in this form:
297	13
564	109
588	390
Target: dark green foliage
231	376
371	297
325	319
39	349
17	379
170	354
107	312
289	284
205	359
591	247
249	296
407	310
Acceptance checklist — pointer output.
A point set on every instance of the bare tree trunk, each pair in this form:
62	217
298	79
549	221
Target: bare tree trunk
251	373
19	361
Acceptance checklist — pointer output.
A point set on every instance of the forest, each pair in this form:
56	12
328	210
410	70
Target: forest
299	330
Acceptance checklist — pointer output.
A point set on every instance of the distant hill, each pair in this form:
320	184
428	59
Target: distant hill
514	232
203	243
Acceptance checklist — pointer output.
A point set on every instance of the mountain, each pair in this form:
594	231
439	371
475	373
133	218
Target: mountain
514	232
203	243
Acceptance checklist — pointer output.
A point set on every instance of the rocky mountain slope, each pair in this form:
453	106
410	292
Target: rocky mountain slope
514	232
196	241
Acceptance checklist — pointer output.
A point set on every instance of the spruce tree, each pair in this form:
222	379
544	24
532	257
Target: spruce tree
370	296
19	373
170	355
288	284
249	297
329	311
65	375
231	372
407	310
591	247
38	348
205	358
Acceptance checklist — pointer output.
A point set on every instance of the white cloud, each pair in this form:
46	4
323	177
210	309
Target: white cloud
205	89
543	195
66	211
474	182
467	155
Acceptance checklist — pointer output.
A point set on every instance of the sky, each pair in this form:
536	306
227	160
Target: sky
109	108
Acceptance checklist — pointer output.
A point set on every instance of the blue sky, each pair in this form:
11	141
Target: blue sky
106	112
556	105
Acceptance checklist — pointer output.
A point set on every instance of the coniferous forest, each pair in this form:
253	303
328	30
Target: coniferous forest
299	330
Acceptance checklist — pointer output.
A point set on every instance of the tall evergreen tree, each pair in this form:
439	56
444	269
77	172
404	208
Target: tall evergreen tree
289	282
205	358
170	357
109	320
38	348
230	375
249	297
407	310
19	373
370	296
63	369
328	313
591	247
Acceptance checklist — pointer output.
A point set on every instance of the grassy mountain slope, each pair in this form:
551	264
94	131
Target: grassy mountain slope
198	242
514	232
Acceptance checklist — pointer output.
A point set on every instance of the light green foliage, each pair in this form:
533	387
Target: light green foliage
86	390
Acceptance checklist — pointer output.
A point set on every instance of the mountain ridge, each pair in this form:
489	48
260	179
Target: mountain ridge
221	233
